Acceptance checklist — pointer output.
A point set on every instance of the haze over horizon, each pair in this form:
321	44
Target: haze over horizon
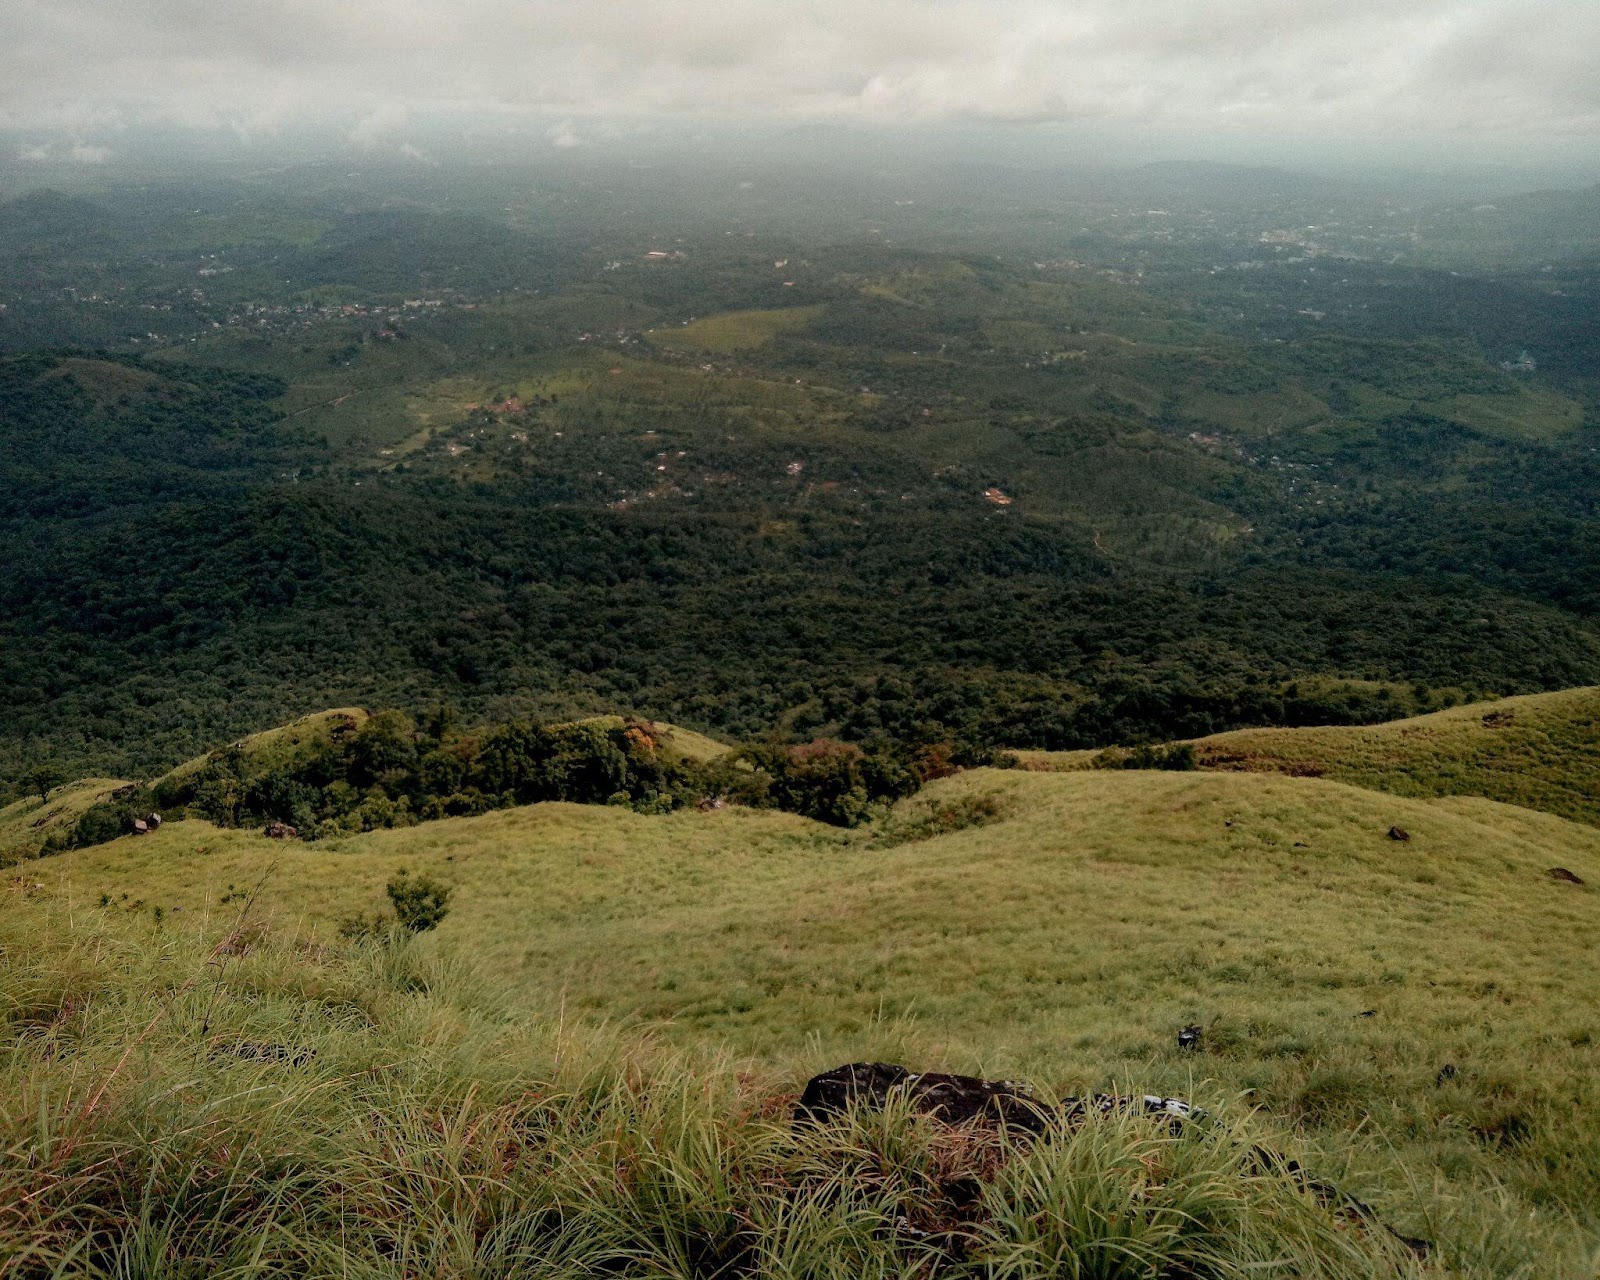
1465	83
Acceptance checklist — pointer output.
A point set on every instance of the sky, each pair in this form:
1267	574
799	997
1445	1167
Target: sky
81	79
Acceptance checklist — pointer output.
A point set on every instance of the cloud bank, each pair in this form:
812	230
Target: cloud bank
85	68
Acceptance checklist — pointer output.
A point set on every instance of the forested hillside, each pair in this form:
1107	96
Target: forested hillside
542	458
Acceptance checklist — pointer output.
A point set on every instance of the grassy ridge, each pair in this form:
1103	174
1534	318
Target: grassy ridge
1063	935
1538	752
672	739
242	1104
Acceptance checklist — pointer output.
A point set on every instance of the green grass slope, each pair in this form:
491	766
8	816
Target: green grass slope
732	331
1065	935
27	823
239	1104
1539	752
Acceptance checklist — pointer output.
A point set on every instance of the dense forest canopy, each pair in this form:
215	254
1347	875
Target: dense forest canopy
1038	463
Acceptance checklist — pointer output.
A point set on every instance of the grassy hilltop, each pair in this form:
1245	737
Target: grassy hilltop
1415	1015
1536	752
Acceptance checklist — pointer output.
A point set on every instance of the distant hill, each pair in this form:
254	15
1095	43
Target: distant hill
275	748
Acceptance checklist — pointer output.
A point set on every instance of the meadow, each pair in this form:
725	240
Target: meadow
1414	1016
1536	752
255	1104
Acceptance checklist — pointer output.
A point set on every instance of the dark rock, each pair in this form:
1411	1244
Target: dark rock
950	1098
1565	876
957	1100
1446	1072
1367	1013
1399	833
1189	1038
280	831
152	820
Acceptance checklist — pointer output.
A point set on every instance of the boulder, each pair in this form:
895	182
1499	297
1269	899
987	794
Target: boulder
958	1100
950	1098
1565	876
1399	833
280	831
140	827
152	820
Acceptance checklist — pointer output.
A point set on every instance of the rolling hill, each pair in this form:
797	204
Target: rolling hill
1367	993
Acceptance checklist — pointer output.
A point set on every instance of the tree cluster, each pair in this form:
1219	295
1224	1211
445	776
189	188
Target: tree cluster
391	772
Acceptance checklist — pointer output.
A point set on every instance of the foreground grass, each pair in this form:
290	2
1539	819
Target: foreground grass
242	1104
1061	929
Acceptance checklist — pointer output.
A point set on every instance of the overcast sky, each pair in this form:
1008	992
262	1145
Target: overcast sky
77	74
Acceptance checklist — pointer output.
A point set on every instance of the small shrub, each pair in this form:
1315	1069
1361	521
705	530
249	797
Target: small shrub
927	820
420	902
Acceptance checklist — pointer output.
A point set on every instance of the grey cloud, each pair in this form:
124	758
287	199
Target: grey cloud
1353	66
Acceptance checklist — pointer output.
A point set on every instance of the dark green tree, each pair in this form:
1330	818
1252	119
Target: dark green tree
42	780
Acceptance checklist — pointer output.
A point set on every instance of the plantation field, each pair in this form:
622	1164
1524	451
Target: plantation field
734	330
1063	934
